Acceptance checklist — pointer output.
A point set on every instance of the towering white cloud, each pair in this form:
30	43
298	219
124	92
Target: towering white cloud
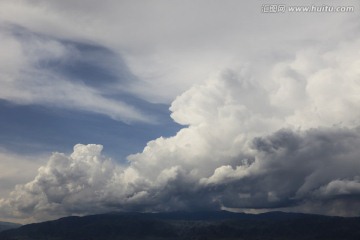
288	141
280	132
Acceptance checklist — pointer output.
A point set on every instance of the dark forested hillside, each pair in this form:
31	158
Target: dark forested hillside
6	225
197	226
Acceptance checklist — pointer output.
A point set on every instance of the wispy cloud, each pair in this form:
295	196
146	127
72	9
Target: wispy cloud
170	52
28	77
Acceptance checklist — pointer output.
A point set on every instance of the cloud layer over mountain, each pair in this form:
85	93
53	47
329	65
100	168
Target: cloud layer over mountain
288	141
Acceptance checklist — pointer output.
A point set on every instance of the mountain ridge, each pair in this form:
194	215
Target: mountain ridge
8	225
191	225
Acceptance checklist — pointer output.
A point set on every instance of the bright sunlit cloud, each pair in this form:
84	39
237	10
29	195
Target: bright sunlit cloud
268	105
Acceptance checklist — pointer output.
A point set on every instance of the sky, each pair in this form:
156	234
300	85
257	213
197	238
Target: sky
162	105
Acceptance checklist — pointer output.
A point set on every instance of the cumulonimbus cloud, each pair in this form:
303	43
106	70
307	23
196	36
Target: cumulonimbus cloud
286	142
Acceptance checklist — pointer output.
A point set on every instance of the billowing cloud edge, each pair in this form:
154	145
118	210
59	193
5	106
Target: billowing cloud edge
286	142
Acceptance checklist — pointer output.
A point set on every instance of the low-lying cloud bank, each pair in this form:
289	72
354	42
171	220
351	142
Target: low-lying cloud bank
287	142
312	171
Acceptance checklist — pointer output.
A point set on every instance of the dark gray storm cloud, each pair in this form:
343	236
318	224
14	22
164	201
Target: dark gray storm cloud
291	168
312	171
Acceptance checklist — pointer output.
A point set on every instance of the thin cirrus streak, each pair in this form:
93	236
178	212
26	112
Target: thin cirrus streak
29	75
